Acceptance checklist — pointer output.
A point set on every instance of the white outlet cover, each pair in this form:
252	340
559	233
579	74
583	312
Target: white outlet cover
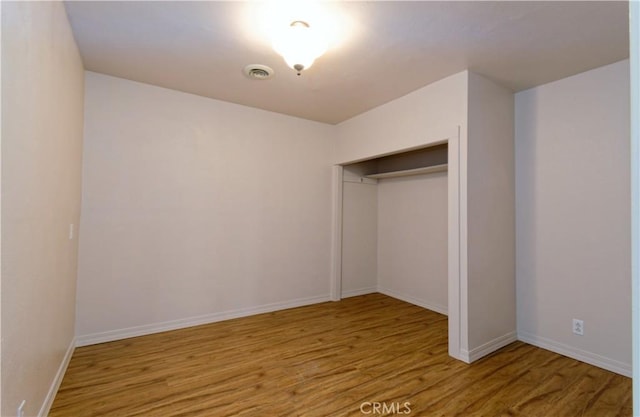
578	327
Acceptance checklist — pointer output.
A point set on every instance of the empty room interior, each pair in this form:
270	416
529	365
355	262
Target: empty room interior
316	208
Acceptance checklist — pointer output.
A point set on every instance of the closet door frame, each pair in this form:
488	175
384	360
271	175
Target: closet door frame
457	238
457	245
335	282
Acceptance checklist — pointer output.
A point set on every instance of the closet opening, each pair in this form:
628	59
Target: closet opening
398	229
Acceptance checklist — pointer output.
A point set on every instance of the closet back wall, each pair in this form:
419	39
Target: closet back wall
196	210
412	239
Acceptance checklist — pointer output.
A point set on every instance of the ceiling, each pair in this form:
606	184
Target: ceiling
387	49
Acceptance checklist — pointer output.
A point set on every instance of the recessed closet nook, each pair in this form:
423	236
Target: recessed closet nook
424	208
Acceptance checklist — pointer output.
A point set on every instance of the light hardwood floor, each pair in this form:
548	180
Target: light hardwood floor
329	360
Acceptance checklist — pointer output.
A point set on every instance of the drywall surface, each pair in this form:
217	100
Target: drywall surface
573	216
491	302
196	210
42	96
412	239
430	114
359	238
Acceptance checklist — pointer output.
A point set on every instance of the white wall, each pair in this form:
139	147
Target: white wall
422	117
42	95
634	69
359	238
196	210
573	216
490	217
412	239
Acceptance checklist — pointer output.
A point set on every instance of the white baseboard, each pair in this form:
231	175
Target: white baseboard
57	380
111	335
491	346
359	291
409	299
578	354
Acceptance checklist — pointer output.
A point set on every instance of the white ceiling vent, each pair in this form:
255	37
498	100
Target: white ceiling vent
258	72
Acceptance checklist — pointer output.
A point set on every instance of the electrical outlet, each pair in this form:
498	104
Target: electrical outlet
578	327
20	410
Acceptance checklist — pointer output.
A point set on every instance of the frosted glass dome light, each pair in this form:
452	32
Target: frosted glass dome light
299	45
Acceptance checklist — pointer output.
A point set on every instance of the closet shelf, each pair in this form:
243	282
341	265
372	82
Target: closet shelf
407	172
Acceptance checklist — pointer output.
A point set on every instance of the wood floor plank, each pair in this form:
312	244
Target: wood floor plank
328	360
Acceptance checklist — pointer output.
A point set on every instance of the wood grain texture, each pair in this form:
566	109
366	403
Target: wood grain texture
327	360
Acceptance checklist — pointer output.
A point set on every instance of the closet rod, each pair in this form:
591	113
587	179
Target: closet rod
407	172
361	180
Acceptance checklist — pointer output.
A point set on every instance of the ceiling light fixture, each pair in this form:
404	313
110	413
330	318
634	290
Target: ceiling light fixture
299	45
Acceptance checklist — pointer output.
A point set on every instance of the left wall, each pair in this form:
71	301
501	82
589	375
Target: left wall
196	210
42	122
